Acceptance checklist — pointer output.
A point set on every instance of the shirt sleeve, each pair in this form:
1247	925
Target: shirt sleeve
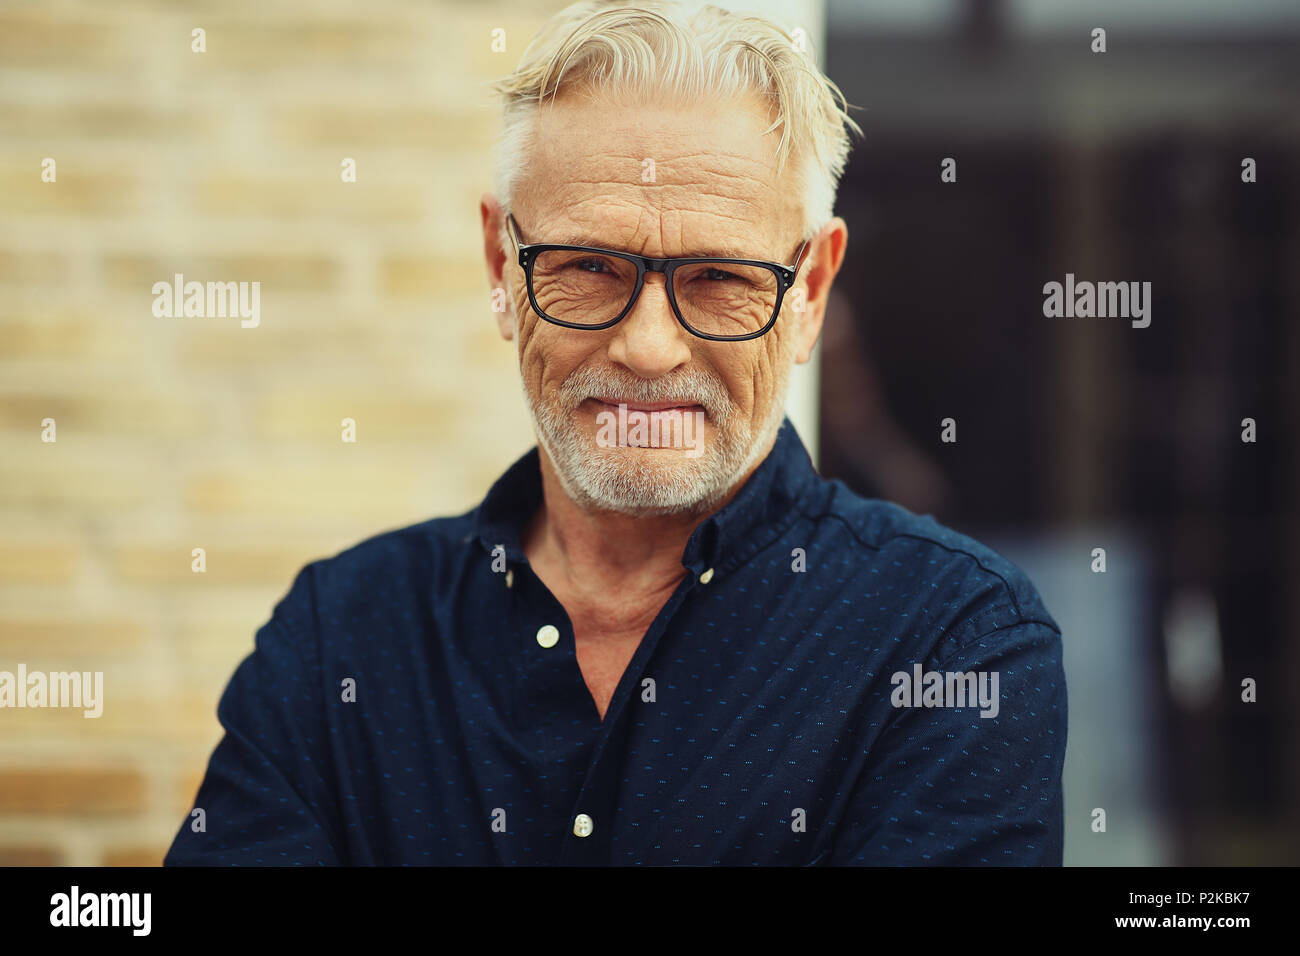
946	786
265	799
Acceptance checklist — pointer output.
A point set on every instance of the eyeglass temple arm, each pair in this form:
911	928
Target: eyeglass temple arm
512	230
798	256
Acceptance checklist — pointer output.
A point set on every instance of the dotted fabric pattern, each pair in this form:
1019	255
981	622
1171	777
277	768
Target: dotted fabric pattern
757	723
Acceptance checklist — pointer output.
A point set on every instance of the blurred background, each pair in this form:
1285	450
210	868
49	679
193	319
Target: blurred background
1073	434
1083	433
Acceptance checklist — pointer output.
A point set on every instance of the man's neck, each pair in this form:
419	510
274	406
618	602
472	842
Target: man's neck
603	552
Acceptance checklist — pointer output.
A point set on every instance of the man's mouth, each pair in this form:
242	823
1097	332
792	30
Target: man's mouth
671	424
648	407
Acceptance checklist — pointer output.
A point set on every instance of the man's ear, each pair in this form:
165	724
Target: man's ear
823	260
498	258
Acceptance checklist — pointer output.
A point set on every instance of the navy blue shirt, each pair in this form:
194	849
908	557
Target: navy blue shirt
401	705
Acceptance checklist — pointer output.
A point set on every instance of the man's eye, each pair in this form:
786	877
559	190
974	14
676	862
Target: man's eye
592	265
715	274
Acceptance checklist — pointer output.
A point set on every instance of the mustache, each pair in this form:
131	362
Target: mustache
690	389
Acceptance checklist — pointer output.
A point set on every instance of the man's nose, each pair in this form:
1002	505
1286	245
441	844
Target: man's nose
649	340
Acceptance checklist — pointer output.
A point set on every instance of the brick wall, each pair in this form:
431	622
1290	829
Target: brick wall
181	433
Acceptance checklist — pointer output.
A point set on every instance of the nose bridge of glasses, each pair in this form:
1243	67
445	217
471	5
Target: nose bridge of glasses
662	315
639	296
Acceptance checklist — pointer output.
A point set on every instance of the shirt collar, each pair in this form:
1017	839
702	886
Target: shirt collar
758	513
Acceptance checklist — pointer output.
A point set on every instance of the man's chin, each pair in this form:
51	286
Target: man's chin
641	481
658	465
612	470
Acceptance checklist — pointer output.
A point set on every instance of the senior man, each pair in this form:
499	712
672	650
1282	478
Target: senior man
662	637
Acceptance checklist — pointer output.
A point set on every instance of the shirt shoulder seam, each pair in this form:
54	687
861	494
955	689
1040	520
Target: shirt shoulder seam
878	546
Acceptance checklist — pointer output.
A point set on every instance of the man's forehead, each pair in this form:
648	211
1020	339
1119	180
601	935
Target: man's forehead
699	177
711	135
725	140
634	115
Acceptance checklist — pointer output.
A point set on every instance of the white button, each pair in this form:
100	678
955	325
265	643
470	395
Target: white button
510	577
582	825
548	635
707	576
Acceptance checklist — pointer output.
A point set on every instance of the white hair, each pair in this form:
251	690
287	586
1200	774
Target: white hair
665	47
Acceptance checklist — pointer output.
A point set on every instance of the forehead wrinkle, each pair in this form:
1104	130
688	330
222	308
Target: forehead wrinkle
753	186
712	168
738	242
756	172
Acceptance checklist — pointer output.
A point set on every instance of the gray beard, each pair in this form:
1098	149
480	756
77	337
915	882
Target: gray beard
608	479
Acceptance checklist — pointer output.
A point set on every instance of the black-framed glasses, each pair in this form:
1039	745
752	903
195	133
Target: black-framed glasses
584	287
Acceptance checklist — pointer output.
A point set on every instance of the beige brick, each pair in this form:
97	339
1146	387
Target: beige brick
67	635
128	714
36	562
318	416
313	193
50	126
430	276
32	268
281	345
312	273
81	791
209	648
121	410
151	855
195	709
475	30
25	855
138	273
40	334
251	42
46	478
303	490
76	191
34	38
298	272
227	563
485	348
188	788
378	127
